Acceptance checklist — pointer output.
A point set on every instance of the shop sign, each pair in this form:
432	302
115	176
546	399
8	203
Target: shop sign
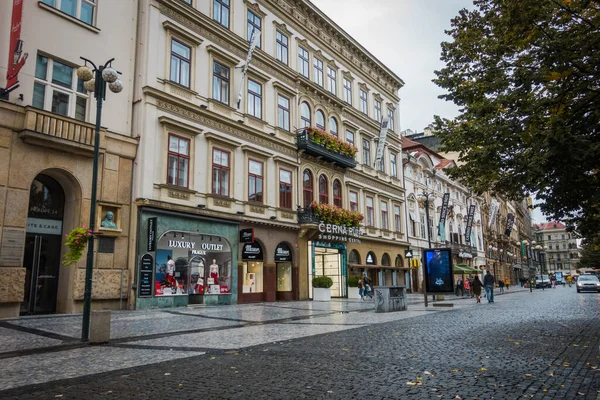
44	226
252	251
408	253
465	255
151	234
437	270
338	233
283	252
370	260
247	235
194	248
146	273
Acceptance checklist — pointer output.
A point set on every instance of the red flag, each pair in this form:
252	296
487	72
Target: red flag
15	62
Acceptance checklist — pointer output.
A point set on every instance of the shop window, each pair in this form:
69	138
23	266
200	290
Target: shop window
305	120
283	261
285	188
370	212
180	63
179	161
353	197
354	257
323	190
386	261
307	188
57	89
252	274
282	48
337	193
192	263
255	181
220	172
320	119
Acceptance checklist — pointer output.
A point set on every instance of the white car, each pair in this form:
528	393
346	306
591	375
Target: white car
588	283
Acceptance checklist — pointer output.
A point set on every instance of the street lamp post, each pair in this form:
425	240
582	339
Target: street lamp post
95	80
424	198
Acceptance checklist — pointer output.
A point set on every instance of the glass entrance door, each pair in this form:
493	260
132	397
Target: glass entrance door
42	264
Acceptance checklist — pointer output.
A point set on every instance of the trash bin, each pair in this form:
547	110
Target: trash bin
390	298
100	327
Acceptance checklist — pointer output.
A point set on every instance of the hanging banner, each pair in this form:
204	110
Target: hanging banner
253	42
510	220
494	207
470	218
445	201
15	62
382	136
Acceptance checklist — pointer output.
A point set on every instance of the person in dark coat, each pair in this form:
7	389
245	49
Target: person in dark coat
476	288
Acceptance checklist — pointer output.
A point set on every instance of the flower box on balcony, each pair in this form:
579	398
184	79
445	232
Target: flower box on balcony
322	144
329	214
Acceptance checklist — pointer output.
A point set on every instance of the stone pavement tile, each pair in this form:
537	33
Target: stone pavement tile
35	369
13	340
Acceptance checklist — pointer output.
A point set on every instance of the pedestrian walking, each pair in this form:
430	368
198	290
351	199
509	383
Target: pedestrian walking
501	285
367	284
459	287
361	288
476	288
488	282
467	285
507	283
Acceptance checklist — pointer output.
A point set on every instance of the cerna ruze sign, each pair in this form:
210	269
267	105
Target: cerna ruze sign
338	233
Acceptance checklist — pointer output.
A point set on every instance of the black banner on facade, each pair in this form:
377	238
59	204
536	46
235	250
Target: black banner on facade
252	251
445	201
438	271
283	252
510	220
151	234
470	218
247	235
146	275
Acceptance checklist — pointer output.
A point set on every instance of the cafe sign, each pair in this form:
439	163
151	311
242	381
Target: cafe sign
338	233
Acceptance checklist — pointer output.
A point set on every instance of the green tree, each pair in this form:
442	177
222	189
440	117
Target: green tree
526	76
590	256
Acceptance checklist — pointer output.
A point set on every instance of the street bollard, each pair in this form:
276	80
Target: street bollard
100	327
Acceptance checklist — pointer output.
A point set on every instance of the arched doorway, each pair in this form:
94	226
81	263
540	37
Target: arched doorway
43	245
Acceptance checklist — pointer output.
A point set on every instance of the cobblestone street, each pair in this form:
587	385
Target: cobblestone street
540	345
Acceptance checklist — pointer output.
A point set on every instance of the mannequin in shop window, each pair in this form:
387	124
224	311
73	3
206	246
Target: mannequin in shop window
214	272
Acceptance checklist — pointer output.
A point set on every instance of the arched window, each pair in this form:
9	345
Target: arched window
337	193
399	263
304	115
354	257
320	119
323	190
307	188
386	261
333	127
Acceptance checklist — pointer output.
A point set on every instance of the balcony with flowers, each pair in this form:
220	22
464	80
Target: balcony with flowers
319	143
329	214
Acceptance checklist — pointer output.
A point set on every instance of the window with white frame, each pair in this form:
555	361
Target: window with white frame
221	12
394	165
331	80
353	198
221	82
303	62
333	126
254	25
180	63
57	89
254	98
318	71
283	112
377	115
366	152
320	119
350	137
363	101
422	225
347	91
83	10
305	120
220	172
285	188
384	215
381	165
255	181
370	212
397	219
391	117
282	49
179	161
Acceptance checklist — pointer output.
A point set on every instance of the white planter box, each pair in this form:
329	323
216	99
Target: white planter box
321	294
353	293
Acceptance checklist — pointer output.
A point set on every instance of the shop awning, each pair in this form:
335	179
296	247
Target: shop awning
465	269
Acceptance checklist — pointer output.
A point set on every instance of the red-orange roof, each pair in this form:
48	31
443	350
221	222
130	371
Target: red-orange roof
551	225
443	163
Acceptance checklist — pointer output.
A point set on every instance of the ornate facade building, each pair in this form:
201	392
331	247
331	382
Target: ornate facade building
46	152
560	247
237	167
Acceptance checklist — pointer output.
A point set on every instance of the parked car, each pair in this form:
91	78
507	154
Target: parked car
542	281
588	283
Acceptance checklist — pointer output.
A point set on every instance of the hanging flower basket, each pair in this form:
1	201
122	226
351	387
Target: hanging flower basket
76	241
331	143
335	215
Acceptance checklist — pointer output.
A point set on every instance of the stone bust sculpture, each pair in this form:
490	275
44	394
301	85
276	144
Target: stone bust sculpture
108	222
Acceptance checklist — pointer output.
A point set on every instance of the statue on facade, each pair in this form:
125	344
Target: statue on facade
108	222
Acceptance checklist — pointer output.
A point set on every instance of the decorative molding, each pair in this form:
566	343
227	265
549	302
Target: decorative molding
388	189
222	141
221	55
255	8
178	31
171	123
288	215
257	152
283	29
178	195
257	209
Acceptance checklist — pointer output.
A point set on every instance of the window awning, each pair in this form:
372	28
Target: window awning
464	269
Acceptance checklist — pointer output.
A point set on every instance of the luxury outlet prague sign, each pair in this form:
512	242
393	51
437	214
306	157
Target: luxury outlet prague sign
338	233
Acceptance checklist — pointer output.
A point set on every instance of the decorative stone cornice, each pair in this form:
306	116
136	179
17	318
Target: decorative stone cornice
369	181
283	29
255	8
184	34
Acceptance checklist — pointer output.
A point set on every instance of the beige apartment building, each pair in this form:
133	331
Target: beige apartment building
560	247
223	189
46	152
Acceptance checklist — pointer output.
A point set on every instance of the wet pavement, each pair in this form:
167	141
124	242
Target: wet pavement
524	344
